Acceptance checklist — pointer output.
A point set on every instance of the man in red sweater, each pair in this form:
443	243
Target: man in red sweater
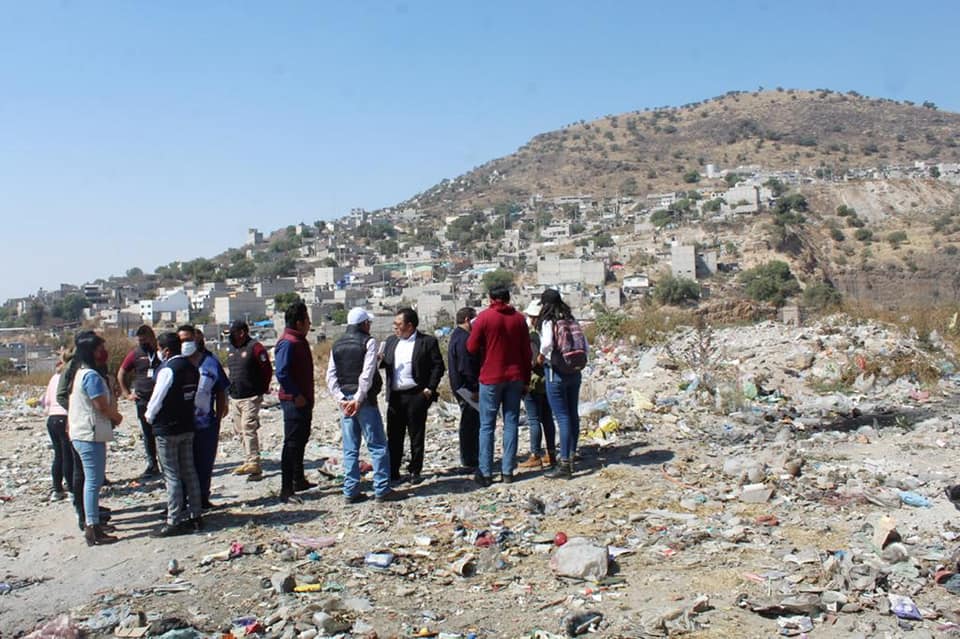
500	338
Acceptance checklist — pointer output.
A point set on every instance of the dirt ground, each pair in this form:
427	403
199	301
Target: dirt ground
657	492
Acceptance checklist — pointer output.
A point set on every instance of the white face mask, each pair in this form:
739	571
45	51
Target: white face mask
161	355
188	348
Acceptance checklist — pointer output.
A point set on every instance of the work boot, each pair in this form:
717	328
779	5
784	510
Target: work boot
248	468
95	536
563	470
534	462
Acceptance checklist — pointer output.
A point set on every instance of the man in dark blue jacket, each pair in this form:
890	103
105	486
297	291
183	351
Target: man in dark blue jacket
464	372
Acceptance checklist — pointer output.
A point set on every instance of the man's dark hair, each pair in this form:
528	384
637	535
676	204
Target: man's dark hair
187	328
409	316
170	341
144	330
465	313
296	312
501	293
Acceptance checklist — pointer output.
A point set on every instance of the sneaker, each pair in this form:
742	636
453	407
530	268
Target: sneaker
391	495
355	499
416	479
248	468
57	495
482	480
534	462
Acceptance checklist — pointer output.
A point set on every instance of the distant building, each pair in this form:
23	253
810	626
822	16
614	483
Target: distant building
553	270
254	237
245	306
683	261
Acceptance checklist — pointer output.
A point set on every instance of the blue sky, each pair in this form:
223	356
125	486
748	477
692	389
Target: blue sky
136	133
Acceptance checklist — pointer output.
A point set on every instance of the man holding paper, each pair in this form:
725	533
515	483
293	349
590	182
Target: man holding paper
464	372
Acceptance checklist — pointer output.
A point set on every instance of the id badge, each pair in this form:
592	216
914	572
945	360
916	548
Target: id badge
149	373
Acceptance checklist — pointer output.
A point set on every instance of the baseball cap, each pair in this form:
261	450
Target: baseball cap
238	325
533	309
358	315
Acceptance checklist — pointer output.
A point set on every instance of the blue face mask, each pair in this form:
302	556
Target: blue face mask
188	348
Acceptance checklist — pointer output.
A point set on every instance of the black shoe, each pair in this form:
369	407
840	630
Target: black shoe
506	478
303	485
168	530
416	478
563	470
390	495
484	482
355	499
254	476
287	496
195	524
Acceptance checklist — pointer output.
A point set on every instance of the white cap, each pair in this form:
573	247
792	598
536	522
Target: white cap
358	315
533	309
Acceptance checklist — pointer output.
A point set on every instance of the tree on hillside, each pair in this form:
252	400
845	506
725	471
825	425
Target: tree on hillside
36	313
770	282
676	290
498	277
283	301
70	308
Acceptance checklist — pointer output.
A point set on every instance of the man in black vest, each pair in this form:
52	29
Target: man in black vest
171	411
141	364
250	371
354	381
414	368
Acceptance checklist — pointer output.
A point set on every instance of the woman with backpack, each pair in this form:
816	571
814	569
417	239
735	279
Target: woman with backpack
563	353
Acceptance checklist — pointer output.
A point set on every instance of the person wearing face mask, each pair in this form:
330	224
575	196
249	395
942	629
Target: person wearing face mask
209	407
171	412
539	415
140	368
92	417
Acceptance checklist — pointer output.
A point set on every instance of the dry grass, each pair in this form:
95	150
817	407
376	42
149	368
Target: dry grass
923	320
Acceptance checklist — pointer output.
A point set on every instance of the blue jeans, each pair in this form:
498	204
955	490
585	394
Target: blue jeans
205	442
540	421
367	424
492	398
93	457
563	392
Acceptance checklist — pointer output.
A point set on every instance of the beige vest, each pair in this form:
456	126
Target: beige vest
85	422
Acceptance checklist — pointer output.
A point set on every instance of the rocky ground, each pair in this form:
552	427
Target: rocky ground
744	482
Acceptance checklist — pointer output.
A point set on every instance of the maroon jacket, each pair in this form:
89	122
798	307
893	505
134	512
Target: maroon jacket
294	366
500	338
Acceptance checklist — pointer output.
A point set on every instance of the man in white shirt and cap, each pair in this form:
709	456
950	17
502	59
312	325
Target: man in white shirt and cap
354	382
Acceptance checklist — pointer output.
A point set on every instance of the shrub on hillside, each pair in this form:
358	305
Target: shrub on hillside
821	296
770	282
863	235
676	290
897	238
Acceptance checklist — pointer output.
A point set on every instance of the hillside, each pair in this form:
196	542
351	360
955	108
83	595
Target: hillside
650	151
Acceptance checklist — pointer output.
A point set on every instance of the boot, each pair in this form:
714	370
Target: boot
533	462
550	459
95	536
563	470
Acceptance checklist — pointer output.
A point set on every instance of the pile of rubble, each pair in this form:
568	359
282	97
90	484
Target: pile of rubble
742	481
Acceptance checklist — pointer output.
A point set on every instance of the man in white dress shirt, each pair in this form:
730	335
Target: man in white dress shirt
414	368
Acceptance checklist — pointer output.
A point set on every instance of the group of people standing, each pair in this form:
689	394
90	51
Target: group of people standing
496	358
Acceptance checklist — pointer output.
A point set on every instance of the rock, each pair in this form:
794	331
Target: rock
328	624
283	582
581	559
755	494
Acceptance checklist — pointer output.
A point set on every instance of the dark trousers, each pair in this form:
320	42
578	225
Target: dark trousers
62	467
469	435
149	439
78	479
406	415
205	441
296	434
